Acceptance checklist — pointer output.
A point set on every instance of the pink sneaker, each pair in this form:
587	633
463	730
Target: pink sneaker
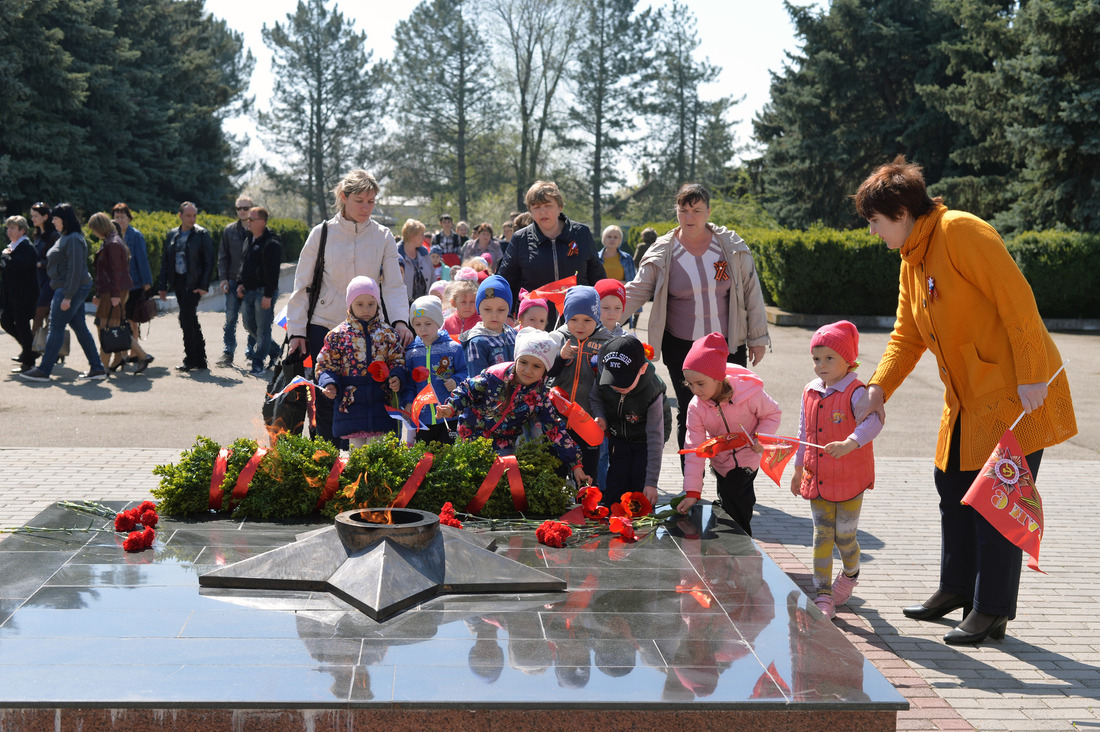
825	604
842	588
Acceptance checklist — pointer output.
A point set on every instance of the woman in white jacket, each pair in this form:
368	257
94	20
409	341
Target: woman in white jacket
355	245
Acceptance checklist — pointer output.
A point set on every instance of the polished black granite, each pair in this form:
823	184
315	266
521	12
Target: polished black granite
694	615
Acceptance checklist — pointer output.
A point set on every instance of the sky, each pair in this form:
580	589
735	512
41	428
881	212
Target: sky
748	39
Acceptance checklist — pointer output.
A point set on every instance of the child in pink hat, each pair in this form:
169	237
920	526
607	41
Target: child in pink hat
834	477
727	400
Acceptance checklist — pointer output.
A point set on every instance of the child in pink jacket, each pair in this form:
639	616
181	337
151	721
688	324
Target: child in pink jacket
728	399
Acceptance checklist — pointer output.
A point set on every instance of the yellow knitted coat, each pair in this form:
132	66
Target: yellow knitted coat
962	297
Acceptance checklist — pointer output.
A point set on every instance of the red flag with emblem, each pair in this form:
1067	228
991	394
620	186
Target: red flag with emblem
1005	494
424	398
555	291
722	443
778	451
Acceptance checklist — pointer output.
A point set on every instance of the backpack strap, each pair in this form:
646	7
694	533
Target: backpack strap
314	289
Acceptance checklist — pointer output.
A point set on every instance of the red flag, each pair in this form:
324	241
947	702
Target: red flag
715	445
778	451
555	291
1005	494
770	685
425	397
576	418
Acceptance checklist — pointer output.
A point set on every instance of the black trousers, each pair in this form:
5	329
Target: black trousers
194	345
738	495
590	456
626	468
435	433
976	560
673	352
18	324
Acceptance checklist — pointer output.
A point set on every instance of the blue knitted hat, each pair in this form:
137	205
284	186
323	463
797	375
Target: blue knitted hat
582	300
495	286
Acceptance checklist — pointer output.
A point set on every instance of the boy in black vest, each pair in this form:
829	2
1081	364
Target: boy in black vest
628	402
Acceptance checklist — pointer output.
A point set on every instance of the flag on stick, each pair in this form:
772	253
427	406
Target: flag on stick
424	398
402	416
722	443
1005	494
778	451
555	291
576	418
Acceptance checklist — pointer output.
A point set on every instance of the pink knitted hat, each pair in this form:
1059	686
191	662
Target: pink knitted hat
840	336
531	302
708	356
362	286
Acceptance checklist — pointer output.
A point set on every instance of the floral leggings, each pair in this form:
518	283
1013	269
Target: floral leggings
835	524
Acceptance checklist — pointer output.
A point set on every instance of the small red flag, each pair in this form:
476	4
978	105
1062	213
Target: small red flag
722	443
576	418
1005	494
424	398
778	451
555	291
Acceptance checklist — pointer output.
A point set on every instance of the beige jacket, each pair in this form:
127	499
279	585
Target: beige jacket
748	321
351	249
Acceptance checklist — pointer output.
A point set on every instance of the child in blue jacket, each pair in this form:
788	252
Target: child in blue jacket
434	350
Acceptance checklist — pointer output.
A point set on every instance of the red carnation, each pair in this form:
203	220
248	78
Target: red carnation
379	371
134	542
149	519
147	537
145	506
447	516
125	521
420	373
553	533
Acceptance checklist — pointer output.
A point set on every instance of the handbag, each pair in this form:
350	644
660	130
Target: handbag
38	345
145	309
286	411
115	338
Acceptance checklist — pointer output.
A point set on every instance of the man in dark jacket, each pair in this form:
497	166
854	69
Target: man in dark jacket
550	249
186	265
229	264
259	288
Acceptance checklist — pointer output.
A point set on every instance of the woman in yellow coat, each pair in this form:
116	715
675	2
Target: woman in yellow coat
962	297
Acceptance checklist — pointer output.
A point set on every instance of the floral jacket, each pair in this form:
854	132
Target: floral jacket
486	411
350	349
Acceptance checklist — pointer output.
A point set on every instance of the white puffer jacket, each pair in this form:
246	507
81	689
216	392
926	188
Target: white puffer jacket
351	250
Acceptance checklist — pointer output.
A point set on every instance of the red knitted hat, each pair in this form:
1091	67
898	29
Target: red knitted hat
708	356
840	336
611	287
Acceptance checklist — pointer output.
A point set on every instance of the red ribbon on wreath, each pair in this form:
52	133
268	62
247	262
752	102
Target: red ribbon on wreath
221	463
245	478
332	483
413	483
507	464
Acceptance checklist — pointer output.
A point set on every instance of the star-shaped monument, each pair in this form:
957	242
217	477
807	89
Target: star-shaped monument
383	561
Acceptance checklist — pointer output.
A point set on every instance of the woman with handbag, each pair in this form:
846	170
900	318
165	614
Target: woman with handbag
112	285
66	264
140	307
45	235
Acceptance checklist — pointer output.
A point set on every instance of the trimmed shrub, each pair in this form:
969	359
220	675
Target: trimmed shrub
1061	268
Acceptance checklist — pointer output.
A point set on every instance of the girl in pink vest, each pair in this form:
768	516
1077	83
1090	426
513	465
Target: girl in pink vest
834	477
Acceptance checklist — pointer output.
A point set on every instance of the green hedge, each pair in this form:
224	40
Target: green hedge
155	225
1061	267
800	270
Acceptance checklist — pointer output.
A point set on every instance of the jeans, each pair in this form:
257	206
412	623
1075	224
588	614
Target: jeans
257	322
75	319
232	309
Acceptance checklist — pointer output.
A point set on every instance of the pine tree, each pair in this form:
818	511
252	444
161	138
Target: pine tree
441	75
327	98
608	88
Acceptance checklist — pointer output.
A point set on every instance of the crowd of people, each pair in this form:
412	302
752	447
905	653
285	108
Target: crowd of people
508	337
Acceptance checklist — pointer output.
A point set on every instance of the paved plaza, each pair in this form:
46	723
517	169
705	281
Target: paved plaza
99	441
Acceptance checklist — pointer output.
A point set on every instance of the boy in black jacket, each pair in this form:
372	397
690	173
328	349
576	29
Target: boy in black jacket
628	402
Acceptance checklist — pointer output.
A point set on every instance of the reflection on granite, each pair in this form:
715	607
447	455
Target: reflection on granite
693	616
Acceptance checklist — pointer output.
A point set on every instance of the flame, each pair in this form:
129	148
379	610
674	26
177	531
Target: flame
384	516
349	492
319	454
314	482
